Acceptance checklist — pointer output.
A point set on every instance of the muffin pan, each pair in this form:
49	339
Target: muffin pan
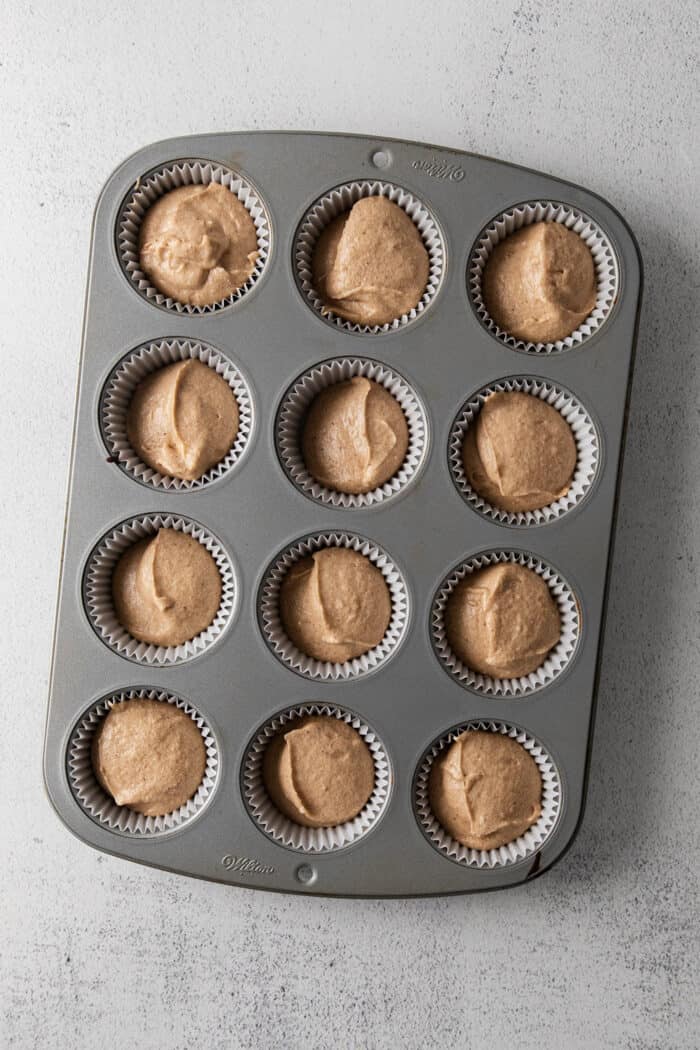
259	511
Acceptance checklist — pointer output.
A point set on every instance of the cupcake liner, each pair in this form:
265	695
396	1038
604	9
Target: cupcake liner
341	199
119	389
155	184
296	403
519	849
97	590
557	660
606	268
287	832
587	451
287	652
100	806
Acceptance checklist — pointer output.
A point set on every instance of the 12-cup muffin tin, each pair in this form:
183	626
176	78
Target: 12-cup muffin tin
258	511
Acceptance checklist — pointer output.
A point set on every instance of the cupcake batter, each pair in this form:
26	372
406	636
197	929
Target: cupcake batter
370	265
485	790
520	453
539	283
198	244
335	605
502	621
355	436
149	755
182	419
319	772
166	588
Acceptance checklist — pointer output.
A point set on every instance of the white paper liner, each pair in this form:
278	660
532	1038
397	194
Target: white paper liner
524	846
286	831
282	646
297	402
556	661
341	199
100	806
99	604
120	387
585	436
606	268
155	184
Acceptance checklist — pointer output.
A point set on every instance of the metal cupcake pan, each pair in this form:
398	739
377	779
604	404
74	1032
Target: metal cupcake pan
272	344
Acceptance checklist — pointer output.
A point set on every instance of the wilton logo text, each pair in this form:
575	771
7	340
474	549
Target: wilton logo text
440	169
246	865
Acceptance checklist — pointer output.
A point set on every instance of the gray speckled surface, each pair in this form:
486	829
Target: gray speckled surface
601	952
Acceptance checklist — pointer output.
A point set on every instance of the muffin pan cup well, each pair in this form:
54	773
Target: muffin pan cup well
527	844
273	336
100	806
120	388
606	269
288	832
148	189
588	451
298	400
340	201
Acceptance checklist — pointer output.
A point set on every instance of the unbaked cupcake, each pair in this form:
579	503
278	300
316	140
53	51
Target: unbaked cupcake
485	790
355	436
149	756
335	605
198	244
370	265
182	419
539	283
319	772
166	588
502	620
520	453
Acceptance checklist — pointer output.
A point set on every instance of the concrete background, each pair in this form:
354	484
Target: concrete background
603	951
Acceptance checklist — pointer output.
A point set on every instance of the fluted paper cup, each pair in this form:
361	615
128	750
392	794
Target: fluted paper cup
588	450
119	390
155	184
556	661
100	806
527	844
606	269
281	828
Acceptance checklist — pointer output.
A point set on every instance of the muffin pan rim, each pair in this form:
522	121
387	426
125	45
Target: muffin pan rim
302	262
474	284
238	383
331	879
149	292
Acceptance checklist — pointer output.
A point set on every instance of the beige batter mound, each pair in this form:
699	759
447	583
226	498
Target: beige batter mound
502	621
370	264
355	436
319	773
486	790
539	283
335	605
198	244
519	454
149	756
166	588
182	419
